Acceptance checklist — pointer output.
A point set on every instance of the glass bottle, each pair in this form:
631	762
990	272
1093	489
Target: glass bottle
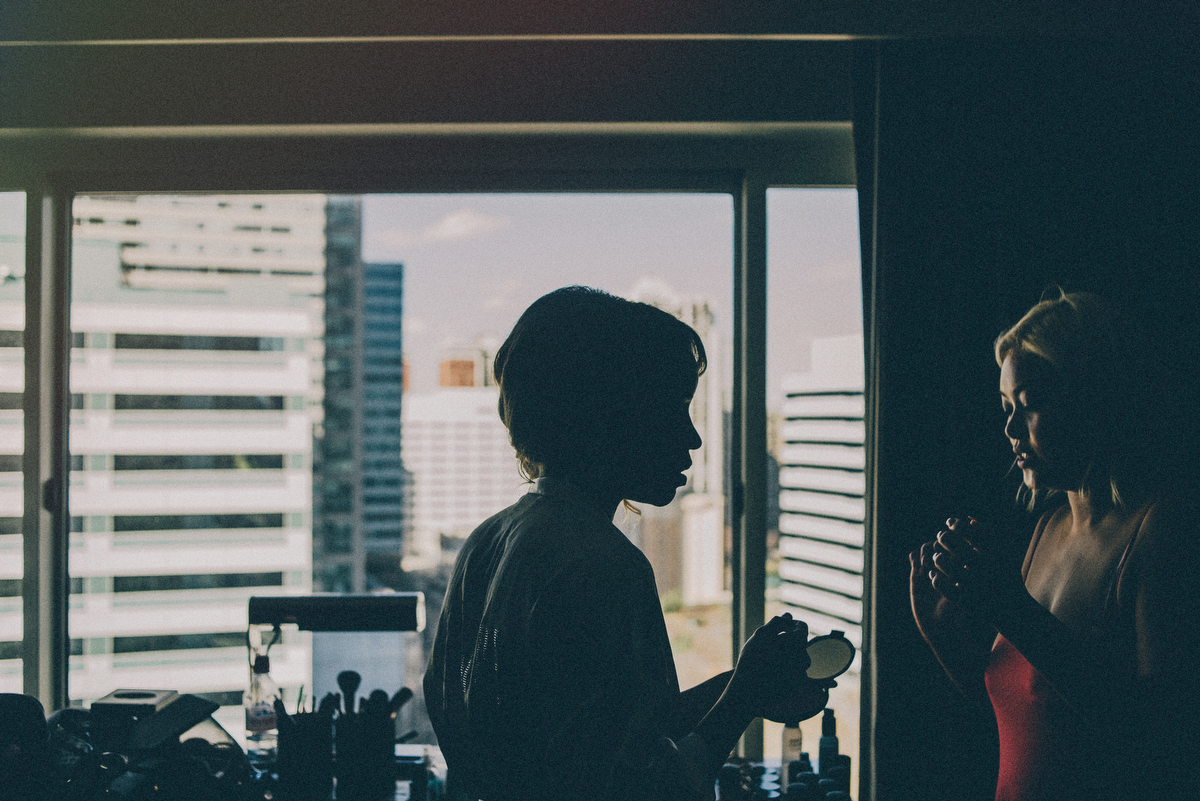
262	731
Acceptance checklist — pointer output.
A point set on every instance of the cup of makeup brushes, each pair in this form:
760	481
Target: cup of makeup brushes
366	748
305	760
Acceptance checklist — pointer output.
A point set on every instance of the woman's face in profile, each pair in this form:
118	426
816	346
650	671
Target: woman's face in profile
1042	423
656	451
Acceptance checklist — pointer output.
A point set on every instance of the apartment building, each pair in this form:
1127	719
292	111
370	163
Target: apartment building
462	466
821	487
685	541
196	378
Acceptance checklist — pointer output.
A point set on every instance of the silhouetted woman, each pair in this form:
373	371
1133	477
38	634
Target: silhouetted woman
551	675
1086	654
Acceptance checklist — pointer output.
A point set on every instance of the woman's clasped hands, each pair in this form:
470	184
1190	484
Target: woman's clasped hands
962	572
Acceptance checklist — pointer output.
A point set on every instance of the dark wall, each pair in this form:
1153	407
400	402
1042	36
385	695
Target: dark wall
1003	168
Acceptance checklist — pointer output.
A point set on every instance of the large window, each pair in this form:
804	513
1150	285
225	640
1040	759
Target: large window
289	393
472	265
282	393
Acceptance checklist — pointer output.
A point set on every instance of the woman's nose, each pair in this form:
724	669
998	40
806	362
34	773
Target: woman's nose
1014	426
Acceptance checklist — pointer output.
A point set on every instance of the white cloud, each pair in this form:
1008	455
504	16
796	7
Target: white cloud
465	223
503	295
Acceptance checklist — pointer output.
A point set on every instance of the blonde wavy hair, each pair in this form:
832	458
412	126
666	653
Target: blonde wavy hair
1089	344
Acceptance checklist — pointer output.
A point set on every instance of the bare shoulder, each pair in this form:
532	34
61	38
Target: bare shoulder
1164	558
1170	525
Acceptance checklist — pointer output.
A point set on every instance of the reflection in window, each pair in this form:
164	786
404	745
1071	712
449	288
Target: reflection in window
179	642
182	342
198	461
173	522
199	402
215	581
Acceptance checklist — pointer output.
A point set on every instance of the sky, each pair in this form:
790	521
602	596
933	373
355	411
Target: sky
474	262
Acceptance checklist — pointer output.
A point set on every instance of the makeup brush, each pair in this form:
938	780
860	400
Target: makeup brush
348	680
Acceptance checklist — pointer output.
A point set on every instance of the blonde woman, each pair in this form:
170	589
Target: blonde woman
1086	655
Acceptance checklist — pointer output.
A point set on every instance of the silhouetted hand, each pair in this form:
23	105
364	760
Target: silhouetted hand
937	617
771	676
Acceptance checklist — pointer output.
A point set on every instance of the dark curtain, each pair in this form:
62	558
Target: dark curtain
988	172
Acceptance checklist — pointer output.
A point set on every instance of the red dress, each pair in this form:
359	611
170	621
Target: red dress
1046	750
1040	749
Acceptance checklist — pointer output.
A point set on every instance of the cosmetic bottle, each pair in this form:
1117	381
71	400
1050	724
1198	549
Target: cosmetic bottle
262	731
827	749
791	743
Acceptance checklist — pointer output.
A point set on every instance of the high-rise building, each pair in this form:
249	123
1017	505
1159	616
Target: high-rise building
821	482
359	480
12	382
195	373
685	542
462	466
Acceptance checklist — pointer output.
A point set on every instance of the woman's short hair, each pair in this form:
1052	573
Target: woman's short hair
578	363
1090	345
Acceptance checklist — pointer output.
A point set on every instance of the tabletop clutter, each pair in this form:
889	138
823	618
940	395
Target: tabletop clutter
159	745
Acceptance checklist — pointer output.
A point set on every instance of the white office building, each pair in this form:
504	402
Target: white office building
689	556
821	487
463	468
195	381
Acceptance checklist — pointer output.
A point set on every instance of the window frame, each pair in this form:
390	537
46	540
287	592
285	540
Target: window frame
741	160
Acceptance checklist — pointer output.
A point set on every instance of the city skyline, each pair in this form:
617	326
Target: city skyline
475	261
685	241
471	265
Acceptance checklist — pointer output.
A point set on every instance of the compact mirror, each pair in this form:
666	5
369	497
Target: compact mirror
829	656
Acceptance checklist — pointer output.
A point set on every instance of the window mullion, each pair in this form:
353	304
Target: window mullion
750	425
46	413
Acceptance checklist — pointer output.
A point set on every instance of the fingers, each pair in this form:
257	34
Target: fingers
945	562
785	624
778	644
949	589
953	552
780	624
954	536
951	565
919	559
